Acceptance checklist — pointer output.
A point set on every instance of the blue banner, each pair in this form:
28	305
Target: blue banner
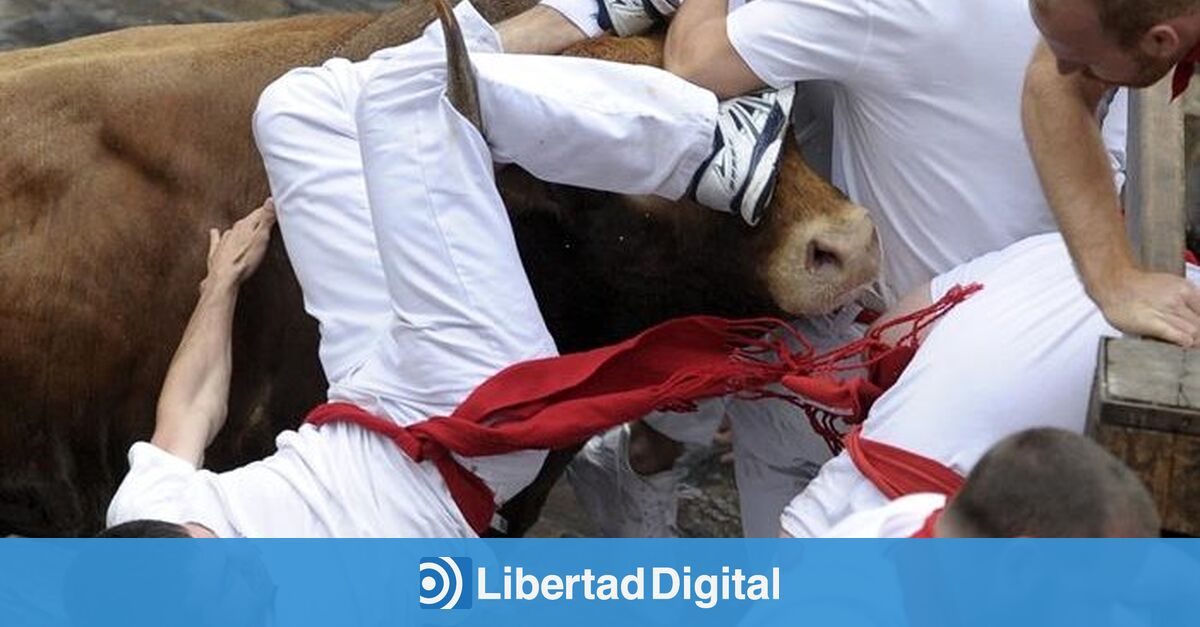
350	583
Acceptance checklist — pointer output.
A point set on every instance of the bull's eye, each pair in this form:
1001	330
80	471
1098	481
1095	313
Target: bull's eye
821	258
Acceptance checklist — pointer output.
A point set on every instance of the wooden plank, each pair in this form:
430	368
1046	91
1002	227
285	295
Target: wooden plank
1149	454
1156	170
1140	411
1148	385
1191	164
1145	372
1183	489
1189	390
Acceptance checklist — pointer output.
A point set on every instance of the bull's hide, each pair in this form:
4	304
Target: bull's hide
122	150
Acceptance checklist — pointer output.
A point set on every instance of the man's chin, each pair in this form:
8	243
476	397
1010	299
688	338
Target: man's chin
1152	77
1146	79
1142	83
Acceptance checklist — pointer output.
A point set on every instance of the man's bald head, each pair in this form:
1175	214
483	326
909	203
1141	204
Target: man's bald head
1128	20
1122	42
1051	483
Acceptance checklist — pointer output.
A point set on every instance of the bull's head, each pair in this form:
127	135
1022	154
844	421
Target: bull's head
814	250
817	249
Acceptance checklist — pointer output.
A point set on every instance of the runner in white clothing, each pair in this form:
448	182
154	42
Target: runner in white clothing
1044	483
1019	354
389	211
927	109
926	134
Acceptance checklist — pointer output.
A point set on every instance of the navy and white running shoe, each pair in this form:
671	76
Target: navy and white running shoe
739	176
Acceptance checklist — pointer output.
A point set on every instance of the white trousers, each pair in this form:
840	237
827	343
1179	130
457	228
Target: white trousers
397	234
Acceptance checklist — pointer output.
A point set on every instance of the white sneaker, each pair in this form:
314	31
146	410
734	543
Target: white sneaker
739	177
634	17
620	502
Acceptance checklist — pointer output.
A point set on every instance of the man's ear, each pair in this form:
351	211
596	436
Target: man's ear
1162	41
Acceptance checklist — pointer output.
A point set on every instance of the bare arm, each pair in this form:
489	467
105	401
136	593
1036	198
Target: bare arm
1064	139
698	49
540	30
915	300
192	405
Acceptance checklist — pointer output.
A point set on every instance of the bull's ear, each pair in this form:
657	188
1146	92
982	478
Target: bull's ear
460	77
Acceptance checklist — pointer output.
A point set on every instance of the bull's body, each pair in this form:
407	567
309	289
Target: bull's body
122	150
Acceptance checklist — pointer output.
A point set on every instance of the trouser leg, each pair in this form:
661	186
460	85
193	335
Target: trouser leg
624	503
596	124
461	305
308	137
776	452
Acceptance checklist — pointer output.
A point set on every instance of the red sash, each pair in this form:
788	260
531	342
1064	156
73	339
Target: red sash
561	401
897	472
929	529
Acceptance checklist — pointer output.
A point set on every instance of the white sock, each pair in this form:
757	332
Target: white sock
582	13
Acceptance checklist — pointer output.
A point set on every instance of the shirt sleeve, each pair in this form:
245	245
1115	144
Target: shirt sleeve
154	489
786	41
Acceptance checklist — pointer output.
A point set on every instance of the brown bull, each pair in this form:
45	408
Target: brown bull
122	150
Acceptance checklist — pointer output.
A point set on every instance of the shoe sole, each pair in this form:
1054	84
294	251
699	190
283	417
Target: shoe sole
761	185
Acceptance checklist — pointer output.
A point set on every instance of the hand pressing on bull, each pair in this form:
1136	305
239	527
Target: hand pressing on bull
235	254
192	404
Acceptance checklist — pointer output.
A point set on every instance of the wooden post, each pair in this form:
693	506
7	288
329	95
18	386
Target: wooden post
1146	410
1145	405
1155	207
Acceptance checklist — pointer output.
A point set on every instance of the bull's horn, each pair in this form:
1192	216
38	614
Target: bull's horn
460	77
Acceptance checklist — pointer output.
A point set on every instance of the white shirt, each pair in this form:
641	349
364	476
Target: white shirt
927	128
900	518
1019	354
336	481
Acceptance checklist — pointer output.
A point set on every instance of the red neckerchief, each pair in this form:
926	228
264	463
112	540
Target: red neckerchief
1184	72
927	529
